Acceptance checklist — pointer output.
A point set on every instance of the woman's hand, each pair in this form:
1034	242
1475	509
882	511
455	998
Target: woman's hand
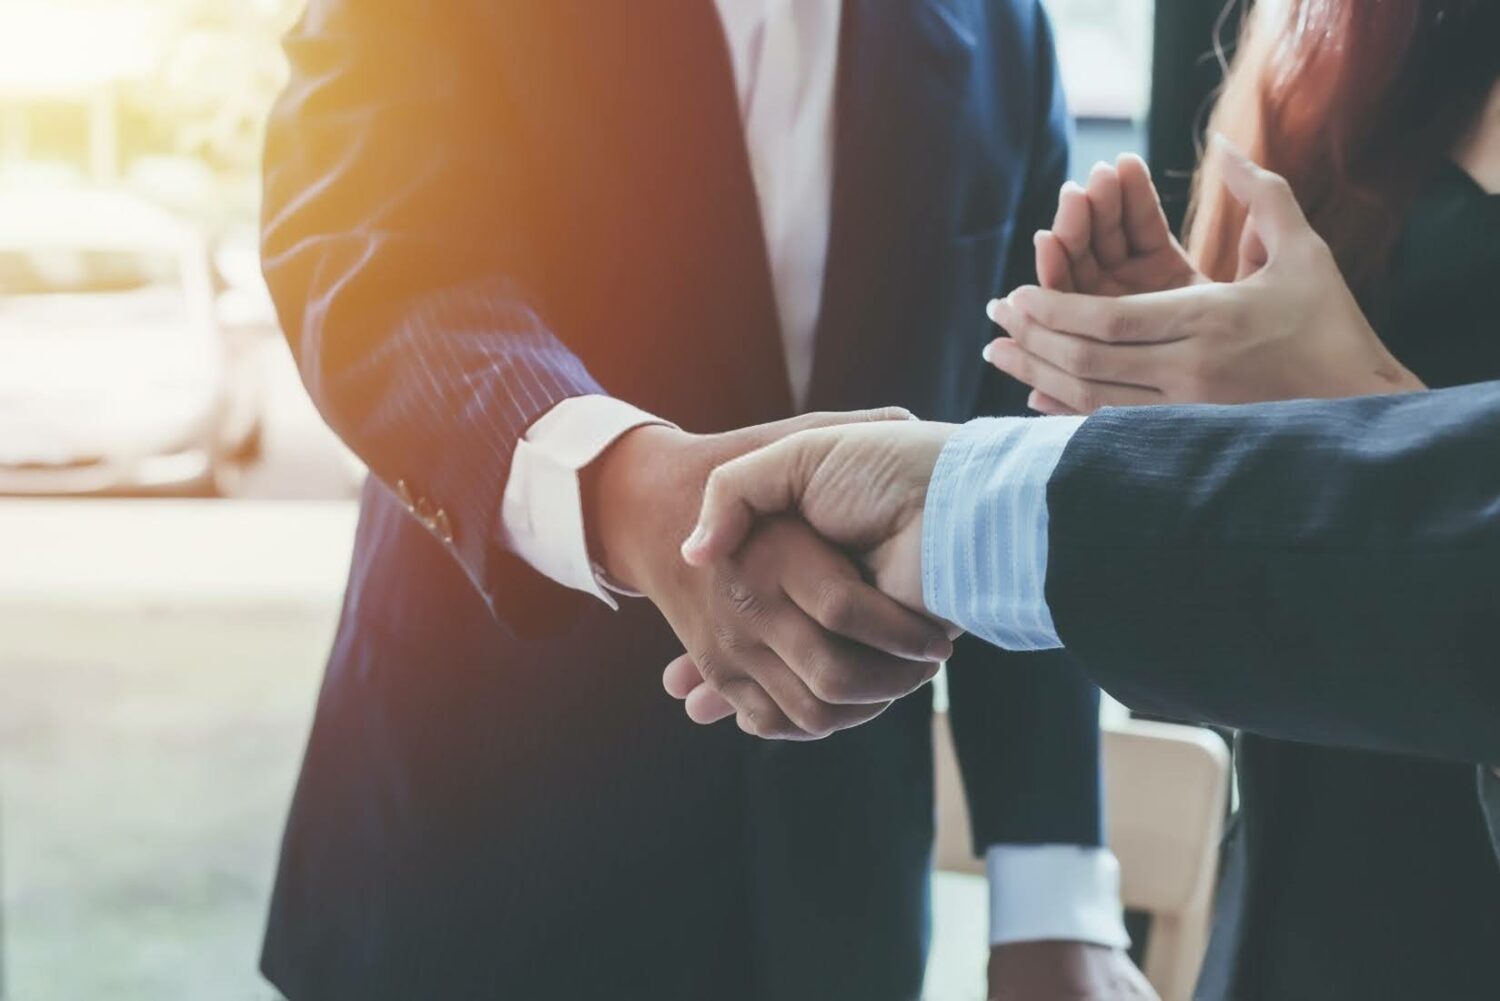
1112	237
1288	329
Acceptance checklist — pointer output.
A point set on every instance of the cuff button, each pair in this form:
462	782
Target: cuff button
403	494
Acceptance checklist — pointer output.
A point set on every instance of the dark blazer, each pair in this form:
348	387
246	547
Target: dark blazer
1384	860
475	210
1321	574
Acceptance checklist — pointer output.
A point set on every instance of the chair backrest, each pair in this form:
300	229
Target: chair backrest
1166	789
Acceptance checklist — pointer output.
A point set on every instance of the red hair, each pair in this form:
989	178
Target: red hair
1356	103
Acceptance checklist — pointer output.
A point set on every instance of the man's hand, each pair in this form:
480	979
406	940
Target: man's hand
1288	329
788	626
1064	971
860	486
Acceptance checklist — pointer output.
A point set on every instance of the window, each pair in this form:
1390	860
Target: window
1105	50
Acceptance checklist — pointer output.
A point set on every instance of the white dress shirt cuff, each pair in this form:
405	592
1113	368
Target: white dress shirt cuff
1055	893
541	513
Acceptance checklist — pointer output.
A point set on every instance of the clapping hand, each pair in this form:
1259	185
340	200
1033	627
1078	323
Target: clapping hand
1112	237
1123	322
1109	238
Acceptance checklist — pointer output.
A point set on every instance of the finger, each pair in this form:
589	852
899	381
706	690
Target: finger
828	588
1268	197
684	681
1146	228
1143	365
1073	226
1132	319
1044	404
988	353
705	706
756	710
1106	212
767	724
705	546
834	671
812	717
777	430
1078	394
770	700
1253	254
1053	269
816	582
681	677
764	482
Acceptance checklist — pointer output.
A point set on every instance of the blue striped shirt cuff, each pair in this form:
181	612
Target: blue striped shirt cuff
984	530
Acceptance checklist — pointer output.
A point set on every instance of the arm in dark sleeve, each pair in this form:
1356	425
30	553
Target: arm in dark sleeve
1026	733
1316	571
1026	725
396	246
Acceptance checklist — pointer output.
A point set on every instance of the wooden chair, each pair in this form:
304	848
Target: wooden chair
1166	787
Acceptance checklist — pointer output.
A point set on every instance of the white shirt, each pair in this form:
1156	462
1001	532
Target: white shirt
785	60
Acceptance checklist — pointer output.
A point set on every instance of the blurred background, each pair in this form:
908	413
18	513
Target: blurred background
175	519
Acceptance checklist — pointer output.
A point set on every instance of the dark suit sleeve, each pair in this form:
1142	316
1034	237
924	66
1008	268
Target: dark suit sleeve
1489	798
397	248
1314	571
1026	726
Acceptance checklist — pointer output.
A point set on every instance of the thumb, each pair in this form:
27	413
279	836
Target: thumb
1274	213
734	496
765	482
1253	254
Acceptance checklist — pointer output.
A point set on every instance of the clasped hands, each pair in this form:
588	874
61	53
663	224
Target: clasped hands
783	623
1122	318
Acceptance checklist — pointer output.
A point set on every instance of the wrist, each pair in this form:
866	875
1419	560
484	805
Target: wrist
1386	375
630	493
1383	375
1397	378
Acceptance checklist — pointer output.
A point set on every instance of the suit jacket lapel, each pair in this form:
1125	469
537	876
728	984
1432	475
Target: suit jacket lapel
903	71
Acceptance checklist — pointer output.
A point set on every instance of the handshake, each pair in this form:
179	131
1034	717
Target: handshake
847	488
798	597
